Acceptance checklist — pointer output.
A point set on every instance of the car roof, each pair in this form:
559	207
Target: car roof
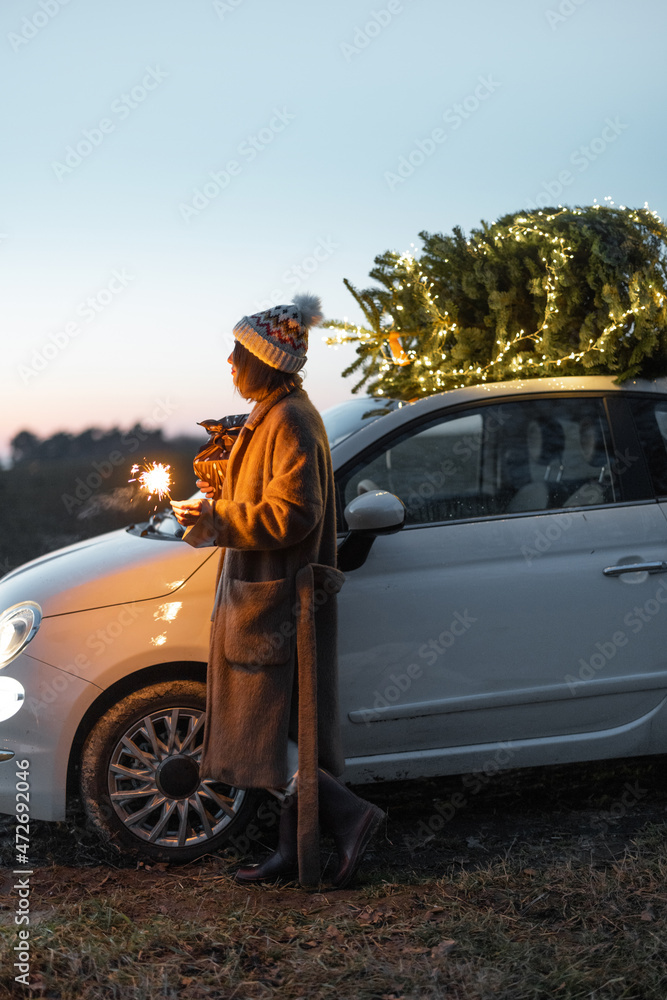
349	447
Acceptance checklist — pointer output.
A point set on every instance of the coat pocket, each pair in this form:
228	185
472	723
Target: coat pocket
258	622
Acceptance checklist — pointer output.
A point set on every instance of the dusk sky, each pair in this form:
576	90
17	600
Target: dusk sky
171	166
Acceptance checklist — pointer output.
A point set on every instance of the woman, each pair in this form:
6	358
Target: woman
272	673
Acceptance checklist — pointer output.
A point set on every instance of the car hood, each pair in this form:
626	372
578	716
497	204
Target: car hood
115	568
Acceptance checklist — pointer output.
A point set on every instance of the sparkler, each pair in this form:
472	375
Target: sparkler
153	478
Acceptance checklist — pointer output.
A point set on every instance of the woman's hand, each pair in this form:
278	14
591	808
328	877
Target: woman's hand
189	511
206	488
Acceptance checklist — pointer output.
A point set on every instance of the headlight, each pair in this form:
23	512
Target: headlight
17	627
12	697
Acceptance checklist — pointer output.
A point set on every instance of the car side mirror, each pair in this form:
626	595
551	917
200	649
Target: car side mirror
374	513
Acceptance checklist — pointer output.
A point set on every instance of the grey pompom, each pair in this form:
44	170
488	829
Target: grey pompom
310	308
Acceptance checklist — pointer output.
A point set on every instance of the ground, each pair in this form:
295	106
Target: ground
543	882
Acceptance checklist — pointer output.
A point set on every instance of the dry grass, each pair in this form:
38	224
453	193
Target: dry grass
520	897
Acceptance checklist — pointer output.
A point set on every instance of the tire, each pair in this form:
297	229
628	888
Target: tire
140	784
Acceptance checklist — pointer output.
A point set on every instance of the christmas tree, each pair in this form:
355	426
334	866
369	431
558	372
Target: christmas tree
562	291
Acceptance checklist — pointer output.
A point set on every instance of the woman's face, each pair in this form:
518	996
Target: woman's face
230	359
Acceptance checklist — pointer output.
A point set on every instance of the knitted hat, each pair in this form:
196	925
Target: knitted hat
279	336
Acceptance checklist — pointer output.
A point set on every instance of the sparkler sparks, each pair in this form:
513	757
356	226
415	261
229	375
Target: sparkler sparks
154	479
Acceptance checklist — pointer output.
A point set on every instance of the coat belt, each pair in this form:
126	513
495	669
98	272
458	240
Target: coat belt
328	581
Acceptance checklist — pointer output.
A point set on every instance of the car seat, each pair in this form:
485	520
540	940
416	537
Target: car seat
542	464
596	487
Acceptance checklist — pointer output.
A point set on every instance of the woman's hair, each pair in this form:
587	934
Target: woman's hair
255	379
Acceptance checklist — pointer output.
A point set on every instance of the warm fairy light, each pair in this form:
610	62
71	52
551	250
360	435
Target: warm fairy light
153	478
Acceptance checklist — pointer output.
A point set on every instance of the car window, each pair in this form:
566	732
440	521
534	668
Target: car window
512	457
650	416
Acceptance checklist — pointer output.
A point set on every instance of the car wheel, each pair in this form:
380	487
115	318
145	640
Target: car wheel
140	784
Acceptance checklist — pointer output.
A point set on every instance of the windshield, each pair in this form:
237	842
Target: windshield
345	418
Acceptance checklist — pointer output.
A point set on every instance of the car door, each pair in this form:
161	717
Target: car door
508	607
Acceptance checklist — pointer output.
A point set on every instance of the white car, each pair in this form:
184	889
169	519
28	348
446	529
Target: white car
505	548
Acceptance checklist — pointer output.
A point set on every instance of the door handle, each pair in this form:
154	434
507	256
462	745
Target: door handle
647	567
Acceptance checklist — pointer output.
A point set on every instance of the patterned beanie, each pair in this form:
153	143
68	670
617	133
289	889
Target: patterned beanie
279	336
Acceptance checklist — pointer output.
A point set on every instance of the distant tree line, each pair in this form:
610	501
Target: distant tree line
65	487
91	443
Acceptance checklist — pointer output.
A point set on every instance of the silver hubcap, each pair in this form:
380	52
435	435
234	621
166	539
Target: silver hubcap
154	782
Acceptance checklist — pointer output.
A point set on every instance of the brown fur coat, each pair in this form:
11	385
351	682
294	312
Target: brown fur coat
275	517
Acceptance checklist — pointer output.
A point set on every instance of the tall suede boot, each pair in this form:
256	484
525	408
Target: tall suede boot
350	820
283	863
